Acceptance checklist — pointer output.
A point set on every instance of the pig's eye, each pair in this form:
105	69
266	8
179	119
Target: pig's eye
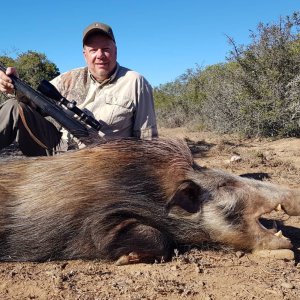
227	184
222	184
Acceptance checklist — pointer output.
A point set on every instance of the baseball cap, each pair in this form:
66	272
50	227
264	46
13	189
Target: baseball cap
98	27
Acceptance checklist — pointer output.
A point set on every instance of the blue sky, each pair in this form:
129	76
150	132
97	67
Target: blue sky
160	39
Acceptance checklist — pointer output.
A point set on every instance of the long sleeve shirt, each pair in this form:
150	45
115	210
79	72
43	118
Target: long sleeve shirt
123	103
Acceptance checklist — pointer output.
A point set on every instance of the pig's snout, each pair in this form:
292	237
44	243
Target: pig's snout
232	216
280	199
291	203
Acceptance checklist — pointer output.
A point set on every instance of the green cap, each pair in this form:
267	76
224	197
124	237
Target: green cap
98	27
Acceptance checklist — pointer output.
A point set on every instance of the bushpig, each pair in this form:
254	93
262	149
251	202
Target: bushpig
131	201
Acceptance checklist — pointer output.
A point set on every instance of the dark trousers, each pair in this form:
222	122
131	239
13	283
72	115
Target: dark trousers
35	135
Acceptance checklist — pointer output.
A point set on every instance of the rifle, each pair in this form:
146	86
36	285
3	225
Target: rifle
43	98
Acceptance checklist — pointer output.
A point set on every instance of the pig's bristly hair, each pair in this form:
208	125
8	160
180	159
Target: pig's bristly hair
173	150
99	201
83	189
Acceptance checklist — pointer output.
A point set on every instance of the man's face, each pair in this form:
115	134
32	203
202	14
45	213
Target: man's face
100	53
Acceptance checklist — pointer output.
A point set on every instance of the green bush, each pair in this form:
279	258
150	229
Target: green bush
255	93
32	68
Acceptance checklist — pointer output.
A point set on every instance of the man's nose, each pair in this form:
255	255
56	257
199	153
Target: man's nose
99	53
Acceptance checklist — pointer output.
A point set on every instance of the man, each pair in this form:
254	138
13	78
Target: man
120	98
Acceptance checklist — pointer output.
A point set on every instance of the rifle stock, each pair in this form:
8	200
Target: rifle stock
74	126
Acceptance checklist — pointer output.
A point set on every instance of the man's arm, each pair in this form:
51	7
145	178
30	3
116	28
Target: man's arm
145	126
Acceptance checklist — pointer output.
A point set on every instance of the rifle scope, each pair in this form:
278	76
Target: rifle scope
50	91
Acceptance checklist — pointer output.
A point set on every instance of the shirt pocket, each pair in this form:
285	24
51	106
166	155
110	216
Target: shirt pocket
121	109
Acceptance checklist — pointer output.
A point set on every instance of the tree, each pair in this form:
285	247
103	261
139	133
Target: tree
6	61
179	102
268	66
255	93
32	68
220	110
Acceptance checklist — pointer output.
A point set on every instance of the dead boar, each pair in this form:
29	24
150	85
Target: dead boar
132	201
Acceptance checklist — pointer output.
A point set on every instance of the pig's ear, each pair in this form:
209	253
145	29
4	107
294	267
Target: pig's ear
187	197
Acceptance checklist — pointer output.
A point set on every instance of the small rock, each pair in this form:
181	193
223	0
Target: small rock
283	254
235	158
186	292
201	283
13	273
138	273
199	269
174	268
287	285
63	266
239	254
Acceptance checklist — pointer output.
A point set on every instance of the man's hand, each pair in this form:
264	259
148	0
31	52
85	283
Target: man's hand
6	85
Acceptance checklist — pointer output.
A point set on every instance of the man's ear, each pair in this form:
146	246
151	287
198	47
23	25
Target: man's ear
187	197
84	54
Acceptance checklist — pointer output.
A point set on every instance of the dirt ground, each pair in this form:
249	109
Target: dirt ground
207	273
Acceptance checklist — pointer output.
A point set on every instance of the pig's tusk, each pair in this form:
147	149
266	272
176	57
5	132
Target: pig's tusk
280	235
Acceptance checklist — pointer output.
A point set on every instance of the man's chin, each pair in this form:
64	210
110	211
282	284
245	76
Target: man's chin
101	71
102	74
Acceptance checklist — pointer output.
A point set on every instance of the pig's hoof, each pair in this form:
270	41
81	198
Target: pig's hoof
131	258
284	254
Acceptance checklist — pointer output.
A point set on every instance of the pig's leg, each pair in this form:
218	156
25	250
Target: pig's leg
133	242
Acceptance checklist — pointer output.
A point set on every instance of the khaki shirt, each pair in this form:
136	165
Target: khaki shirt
123	103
